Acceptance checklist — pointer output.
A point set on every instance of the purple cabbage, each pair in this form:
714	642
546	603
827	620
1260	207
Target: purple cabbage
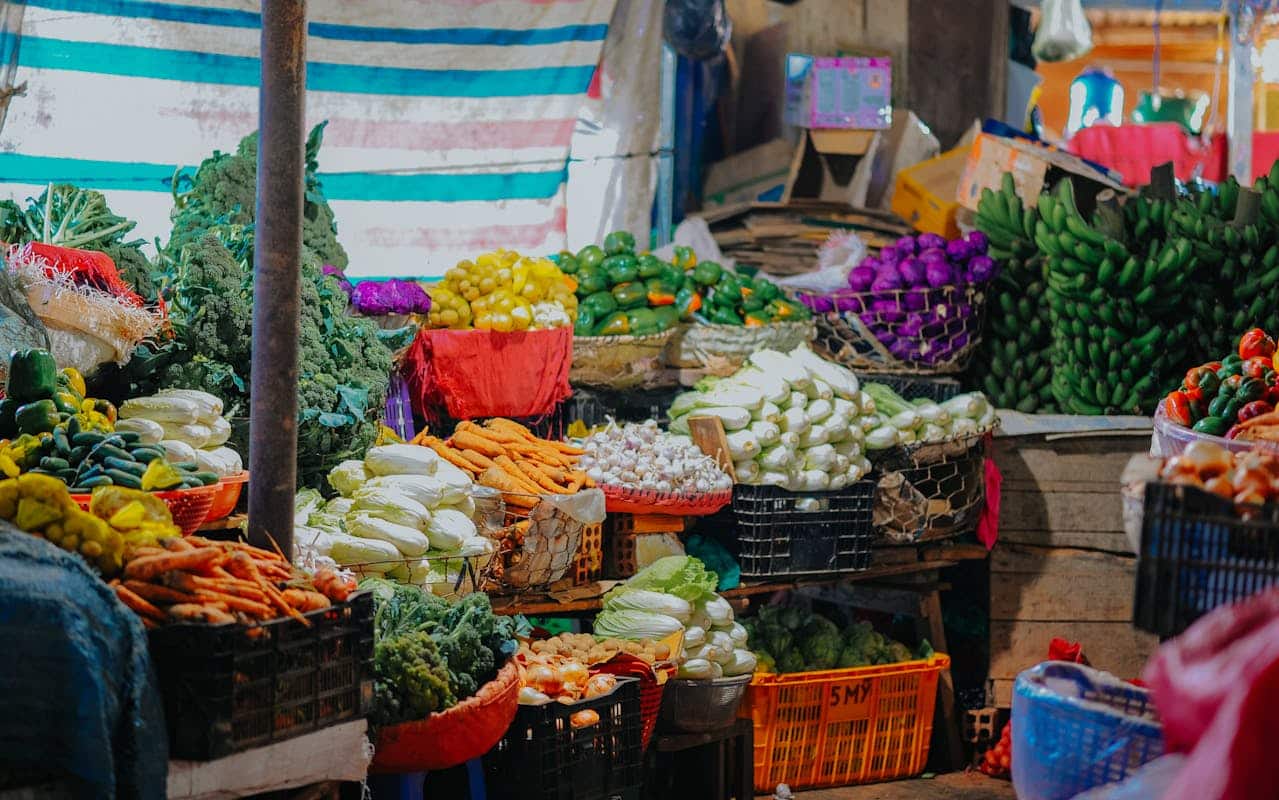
860	278
958	250
912	272
890	255
887	311
978	241
912	327
915	300
849	301
821	305
939	274
930	240
337	273
886	282
906	246
981	269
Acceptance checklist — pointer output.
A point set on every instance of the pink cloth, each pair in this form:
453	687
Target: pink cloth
988	522
1134	149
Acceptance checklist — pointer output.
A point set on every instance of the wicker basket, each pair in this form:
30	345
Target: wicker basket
722	349
864	335
620	362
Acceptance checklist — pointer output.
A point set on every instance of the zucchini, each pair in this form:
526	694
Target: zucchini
124	465
122	478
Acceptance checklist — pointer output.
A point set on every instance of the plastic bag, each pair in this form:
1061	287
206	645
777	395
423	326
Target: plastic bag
1152	780
1064	33
841	251
697	29
1216	687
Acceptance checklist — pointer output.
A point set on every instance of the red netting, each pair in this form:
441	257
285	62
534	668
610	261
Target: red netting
189	507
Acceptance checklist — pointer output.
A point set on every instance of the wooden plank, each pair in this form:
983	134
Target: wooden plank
708	434
1112	646
1110	541
1092	459
1000	694
1070	585
1057	561
1062	511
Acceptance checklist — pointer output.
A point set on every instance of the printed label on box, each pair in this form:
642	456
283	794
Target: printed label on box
848	700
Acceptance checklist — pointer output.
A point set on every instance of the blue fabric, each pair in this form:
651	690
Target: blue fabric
77	693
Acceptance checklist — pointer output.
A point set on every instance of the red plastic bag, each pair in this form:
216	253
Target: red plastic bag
1217	691
988	522
474	373
86	268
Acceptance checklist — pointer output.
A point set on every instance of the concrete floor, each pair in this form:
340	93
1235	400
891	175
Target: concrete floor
952	786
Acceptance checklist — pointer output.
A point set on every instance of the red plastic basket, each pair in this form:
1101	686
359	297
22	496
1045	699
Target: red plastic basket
651	687
228	495
189	507
619	500
466	731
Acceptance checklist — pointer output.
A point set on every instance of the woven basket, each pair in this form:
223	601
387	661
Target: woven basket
620	362
862	335
722	349
189	507
466	731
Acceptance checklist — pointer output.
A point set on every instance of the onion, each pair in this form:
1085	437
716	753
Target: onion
532	697
544	679
600	685
1207	458
573	672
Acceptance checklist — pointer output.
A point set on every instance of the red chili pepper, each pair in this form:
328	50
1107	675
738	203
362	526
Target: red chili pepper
1254	409
1256	343
1257	367
1177	408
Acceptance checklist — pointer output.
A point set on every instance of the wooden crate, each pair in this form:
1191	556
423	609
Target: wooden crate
1063	566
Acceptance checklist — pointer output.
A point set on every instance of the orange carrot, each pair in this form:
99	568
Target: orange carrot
466	440
159	594
140	606
511	425
511	468
189	612
448	454
242	566
305	600
149	566
478	461
259	610
176	545
535	475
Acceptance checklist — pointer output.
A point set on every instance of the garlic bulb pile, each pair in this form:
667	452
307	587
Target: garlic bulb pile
643	456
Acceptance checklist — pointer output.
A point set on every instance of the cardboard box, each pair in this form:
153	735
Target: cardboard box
825	164
1034	168
924	193
758	174
838	92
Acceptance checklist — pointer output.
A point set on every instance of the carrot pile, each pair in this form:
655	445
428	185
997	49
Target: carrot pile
506	456
199	580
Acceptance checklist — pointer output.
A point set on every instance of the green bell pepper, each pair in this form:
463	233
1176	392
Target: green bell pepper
585	325
1250	389
659	292
767	290
619	242
620	269
590	280
1213	426
756	318
708	273
600	304
590	256
724	316
685	258
687	302
643	321
785	311
39	416
615	324
667	317
8	423
33	375
650	266
630	295
673	276
567	262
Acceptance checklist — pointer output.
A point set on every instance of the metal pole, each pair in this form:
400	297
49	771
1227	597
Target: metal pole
666	149
1239	105
273	408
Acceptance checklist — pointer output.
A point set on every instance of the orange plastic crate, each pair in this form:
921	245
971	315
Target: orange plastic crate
843	726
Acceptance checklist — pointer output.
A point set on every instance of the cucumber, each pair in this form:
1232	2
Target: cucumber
54	463
129	437
60	441
124	465
66	475
146	454
185	466
78	453
190	482
107	450
88	437
122	478
98	480
73	427
206	477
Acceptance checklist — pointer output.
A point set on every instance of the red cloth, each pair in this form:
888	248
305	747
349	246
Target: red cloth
473	373
86	267
1061	650
988	522
1216	688
1134	149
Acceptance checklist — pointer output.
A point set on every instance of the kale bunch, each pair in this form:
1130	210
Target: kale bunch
410	679
344	367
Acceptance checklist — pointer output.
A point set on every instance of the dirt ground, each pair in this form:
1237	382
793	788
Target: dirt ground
952	786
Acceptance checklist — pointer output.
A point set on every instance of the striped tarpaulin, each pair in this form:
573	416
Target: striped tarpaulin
449	120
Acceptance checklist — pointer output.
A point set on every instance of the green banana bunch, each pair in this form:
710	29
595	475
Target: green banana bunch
1118	325
1012	365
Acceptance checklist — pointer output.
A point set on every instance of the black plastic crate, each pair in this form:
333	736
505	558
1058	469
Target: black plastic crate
228	688
543	757
1198	553
781	533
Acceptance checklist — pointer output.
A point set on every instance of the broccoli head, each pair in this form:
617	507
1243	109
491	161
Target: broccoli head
852	656
410	679
790	661
896	652
925	649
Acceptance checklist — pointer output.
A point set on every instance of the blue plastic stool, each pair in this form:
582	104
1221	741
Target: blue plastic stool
409	785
